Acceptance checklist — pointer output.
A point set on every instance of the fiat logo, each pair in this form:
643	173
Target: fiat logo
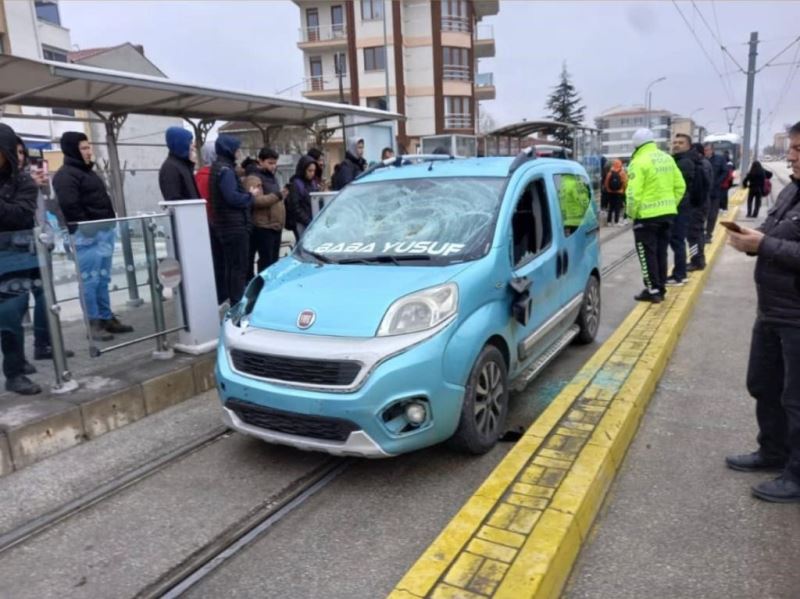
306	319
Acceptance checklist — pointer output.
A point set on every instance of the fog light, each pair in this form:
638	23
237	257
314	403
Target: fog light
415	413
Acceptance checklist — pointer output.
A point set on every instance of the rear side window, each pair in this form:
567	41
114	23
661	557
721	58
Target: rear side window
574	198
531	225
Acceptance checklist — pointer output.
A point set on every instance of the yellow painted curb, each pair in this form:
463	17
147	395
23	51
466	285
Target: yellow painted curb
521	531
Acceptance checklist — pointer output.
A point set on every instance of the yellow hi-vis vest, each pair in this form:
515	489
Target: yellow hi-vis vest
655	184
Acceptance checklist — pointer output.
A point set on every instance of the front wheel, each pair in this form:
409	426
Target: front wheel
589	316
485	407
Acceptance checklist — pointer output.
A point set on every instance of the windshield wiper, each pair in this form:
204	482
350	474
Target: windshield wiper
388	258
322	259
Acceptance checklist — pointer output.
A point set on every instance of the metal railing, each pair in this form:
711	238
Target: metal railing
458	121
455	24
323	34
320	83
455	72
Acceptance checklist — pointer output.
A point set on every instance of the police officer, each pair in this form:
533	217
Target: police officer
773	377
655	186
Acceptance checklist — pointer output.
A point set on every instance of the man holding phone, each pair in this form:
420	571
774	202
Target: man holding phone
773	377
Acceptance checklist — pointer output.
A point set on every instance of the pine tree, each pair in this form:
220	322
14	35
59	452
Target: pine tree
565	105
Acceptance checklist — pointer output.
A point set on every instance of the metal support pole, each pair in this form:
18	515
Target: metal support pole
44	245
113	125
748	103
758	133
162	352
386	54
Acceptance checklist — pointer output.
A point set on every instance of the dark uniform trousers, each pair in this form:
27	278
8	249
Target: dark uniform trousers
652	240
697	234
773	379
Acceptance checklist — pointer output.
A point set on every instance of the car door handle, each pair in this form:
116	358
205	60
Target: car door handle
559	265
565	262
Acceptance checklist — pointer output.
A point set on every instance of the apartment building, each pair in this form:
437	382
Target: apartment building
618	125
415	57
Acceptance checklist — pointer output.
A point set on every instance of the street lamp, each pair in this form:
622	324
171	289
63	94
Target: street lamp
648	98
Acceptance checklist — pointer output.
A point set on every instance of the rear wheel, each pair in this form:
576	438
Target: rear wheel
485	407
589	316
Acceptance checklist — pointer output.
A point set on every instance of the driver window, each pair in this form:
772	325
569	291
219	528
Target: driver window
574	198
530	224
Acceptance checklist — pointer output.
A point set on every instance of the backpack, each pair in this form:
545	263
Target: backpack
614	181
767	188
728	180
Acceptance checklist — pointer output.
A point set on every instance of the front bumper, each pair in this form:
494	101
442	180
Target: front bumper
394	370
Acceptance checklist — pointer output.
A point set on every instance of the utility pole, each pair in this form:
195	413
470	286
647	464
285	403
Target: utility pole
758	133
748	103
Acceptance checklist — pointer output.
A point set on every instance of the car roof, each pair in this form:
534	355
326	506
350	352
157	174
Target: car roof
495	166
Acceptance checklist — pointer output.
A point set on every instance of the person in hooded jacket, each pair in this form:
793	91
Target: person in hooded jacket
82	197
301	185
719	172
232	206
698	216
754	181
176	176
353	164
202	178
614	186
18	195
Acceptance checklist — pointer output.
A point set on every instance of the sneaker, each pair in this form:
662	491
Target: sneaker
28	368
755	462
673	282
112	325
23	385
781	490
98	332
694	267
647	296
45	352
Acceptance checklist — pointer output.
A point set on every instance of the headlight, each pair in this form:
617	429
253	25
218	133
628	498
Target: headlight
420	311
248	301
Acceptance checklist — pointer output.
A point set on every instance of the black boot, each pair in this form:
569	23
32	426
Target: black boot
28	368
45	352
112	325
97	331
783	489
647	296
755	462
23	385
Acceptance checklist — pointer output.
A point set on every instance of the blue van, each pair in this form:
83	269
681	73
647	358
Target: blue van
416	300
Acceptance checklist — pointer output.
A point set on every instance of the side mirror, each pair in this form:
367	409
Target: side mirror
522	305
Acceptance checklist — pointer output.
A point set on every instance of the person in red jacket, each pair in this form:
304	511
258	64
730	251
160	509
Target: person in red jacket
202	178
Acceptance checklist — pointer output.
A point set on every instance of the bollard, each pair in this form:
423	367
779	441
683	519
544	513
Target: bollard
44	245
162	351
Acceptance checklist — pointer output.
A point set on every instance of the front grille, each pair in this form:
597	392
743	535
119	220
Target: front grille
296	370
292	423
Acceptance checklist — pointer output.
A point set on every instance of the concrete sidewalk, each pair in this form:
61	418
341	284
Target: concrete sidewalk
677	522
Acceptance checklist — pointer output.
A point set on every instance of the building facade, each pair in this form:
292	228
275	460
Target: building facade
415	57
618	126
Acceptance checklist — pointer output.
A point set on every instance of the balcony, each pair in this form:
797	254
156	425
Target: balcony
485	8
458	121
483	41
484	86
319	38
326	88
455	72
458	24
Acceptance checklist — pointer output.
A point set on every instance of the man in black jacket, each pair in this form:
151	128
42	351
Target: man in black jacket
18	262
698	216
352	165
684	156
773	376
82	197
176	177
719	170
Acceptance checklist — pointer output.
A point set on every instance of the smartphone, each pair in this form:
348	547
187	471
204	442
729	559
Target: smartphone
731	226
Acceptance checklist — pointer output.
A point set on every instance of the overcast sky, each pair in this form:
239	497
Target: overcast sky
612	49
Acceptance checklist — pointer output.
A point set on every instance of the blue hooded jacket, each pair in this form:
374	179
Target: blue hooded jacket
226	146
179	142
230	201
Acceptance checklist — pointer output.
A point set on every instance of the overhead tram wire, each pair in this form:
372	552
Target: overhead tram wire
717	38
787	86
778	55
727	73
703	48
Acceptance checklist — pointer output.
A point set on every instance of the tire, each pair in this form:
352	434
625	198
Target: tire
589	316
485	407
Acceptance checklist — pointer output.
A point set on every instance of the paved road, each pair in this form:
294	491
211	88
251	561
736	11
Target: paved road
355	538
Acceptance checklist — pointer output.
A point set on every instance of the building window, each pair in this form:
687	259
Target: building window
312	25
340	63
374	58
458	112
455	16
47	11
371	10
315	70
54	54
337	21
378	102
456	63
